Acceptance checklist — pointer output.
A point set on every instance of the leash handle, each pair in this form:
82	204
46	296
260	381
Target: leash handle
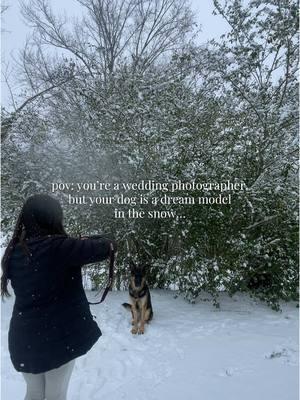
111	274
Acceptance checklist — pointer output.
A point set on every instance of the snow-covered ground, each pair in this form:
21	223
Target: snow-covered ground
244	350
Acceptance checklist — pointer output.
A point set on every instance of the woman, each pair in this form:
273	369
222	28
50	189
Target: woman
51	323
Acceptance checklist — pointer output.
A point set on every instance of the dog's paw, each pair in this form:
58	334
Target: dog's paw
132	322
134	331
141	331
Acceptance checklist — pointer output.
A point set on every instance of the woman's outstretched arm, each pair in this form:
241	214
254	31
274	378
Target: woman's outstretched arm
72	251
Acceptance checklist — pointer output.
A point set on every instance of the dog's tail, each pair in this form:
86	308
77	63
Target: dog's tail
127	306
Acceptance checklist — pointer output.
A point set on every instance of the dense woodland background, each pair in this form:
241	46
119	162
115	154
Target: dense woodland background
128	93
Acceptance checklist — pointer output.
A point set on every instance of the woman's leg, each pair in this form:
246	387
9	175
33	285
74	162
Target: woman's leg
57	381
35	386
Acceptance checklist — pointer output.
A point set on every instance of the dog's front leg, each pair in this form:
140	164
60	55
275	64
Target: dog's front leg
143	314
135	319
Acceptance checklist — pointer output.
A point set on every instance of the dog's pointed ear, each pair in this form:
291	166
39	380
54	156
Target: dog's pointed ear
132	265
146	265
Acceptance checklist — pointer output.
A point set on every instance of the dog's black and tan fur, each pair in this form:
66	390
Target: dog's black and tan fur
139	294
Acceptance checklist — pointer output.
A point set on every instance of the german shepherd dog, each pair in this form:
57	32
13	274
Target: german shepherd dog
139	294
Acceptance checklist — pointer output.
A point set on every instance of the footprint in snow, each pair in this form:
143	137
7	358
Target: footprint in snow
287	355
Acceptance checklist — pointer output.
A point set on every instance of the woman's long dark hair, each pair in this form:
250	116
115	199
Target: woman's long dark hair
41	215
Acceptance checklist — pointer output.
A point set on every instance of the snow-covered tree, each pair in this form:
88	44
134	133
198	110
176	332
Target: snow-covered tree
129	96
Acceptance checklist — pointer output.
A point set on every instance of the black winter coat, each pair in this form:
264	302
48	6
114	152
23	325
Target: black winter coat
51	322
